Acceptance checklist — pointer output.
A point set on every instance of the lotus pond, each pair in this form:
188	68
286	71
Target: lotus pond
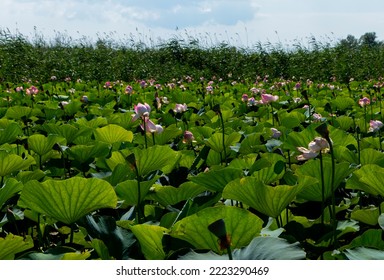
191	169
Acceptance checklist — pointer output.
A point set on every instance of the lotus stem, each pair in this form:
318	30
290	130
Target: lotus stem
145	133
322	188
229	251
333	198
223	131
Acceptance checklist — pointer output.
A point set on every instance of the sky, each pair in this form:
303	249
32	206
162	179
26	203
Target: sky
242	23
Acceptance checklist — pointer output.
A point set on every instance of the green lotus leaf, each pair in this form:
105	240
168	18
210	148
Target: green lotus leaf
342	153
150	239
290	120
68	200
269	168
80	256
342	103
18	112
301	139
10	133
251	144
202	132
25	176
41	144
86	153
168	195
10	188
380	220
113	133
368	216
67	131
268	200
128	190
120	173
101	249
10	163
155	158
13	244
241	226
216	180
312	168
116	158
344	122
342	138
169	133
371	156
215	142
73	107
368	178
93	123
370	238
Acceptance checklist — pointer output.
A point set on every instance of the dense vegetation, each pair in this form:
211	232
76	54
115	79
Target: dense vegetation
38	58
177	151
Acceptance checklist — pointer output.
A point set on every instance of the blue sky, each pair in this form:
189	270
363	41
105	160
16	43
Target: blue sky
240	22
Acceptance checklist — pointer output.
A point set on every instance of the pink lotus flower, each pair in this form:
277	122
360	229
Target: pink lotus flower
188	137
128	89
209	89
150	127
306	154
316	146
141	110
375	125
319	144
364	101
268	98
244	98
275	133
317	117
252	102
32	90
108	85
180	108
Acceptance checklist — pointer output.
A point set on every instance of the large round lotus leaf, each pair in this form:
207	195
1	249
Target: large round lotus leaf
154	158
41	144
9	133
266	199
312	168
216	180
113	133
13	244
10	188
241	226
215	142
150	239
370	179
68	200
10	163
